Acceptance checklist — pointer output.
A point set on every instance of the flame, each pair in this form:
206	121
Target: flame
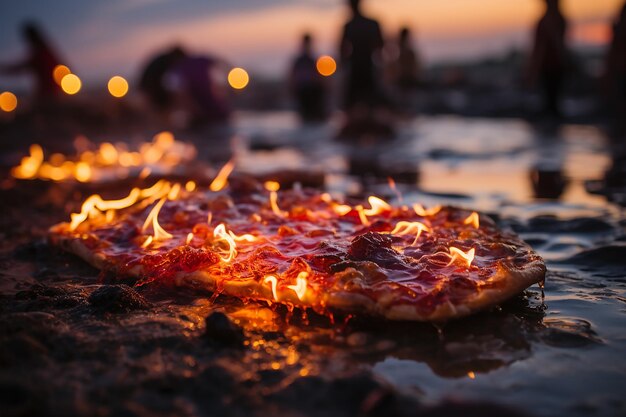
273	282
190	186
273	187
378	206
473	219
147	242
29	166
221	179
342	209
422	212
94	204
189	238
364	220
159	232
221	234
394	188
92	162
243	238
173	192
458	254
405	228
471	375
301	284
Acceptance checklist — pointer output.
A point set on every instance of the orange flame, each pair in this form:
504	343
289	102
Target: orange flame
422	212
378	206
458	254
94	204
273	282
405	228
29	166
364	220
273	187
342	209
190	186
243	238
220	234
301	283
473	219
159	232
221	180
92	163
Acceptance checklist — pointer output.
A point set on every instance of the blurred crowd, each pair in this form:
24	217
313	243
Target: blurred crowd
380	79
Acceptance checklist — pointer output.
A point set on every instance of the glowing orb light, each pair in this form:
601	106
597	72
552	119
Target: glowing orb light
59	72
118	86
326	65
8	101
71	84
238	78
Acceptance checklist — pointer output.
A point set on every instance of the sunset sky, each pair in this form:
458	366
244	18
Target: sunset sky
101	38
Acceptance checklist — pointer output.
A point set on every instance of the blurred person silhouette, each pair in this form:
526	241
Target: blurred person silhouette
40	62
548	62
307	84
404	71
360	50
154	78
206	101
616	70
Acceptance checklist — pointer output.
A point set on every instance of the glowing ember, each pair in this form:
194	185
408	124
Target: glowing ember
221	179
29	166
473	219
107	161
301	284
458	254
190	186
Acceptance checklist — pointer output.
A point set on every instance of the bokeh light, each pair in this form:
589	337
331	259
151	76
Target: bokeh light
238	78
118	86
326	65
59	72
8	101
71	84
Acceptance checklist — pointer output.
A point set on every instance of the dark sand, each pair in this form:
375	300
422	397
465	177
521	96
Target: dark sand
72	343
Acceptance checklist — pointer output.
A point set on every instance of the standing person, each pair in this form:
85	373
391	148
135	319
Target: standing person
549	57
307	84
360	48
405	71
616	68
40	62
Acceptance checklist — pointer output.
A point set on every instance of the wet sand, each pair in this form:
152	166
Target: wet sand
72	343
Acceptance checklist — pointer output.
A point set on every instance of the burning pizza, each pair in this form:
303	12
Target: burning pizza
304	248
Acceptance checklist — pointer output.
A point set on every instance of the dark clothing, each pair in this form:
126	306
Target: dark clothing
196	74
549	60
308	88
361	40
152	81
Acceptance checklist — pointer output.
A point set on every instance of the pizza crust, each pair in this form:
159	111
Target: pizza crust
506	283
